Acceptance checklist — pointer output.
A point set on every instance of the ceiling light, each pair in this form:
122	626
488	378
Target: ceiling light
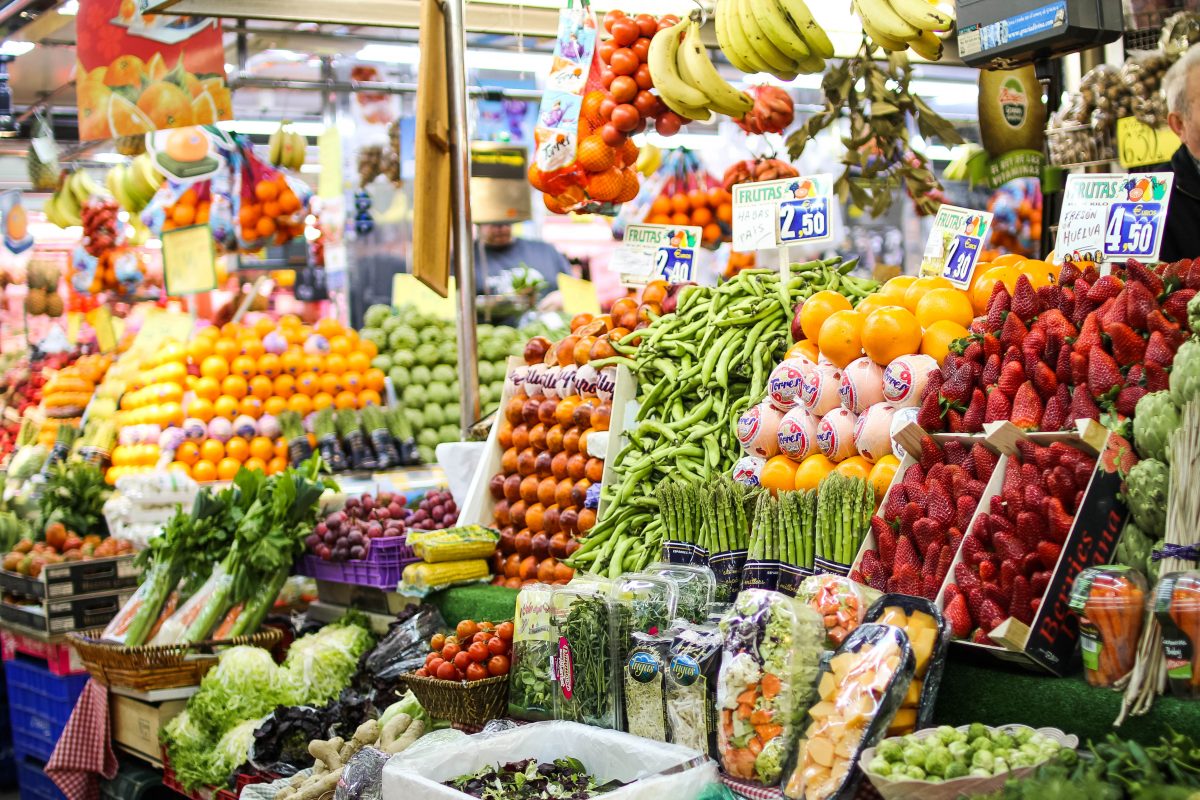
510	62
69	8
14	48
265	127
389	53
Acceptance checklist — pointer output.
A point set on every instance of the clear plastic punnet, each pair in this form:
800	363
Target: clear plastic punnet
1111	603
586	665
695	588
1177	607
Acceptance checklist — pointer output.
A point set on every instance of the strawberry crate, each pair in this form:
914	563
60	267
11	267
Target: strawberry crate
381	569
1047	638
60	658
909	439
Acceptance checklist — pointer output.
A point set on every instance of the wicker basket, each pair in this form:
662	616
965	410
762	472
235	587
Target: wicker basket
148	667
463	702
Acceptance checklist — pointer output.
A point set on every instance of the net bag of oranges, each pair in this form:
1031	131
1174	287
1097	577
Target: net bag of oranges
181	204
689	195
269	206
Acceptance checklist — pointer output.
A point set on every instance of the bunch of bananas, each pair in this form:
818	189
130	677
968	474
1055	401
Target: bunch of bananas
286	147
686	79
897	25
64	208
134	184
779	37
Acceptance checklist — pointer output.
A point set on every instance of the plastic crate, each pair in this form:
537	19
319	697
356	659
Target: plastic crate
381	568
33	781
40	703
59	657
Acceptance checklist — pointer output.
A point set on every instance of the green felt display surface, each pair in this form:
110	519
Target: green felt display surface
974	689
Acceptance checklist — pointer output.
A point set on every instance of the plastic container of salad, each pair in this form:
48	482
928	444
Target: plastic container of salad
1177	608
587	664
531	684
929	637
644	685
1111	603
691	684
695	588
841	603
644	603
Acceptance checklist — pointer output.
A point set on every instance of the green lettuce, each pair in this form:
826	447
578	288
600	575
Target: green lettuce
319	666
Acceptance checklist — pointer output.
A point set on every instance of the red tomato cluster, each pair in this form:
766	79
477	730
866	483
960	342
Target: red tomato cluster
628	103
476	650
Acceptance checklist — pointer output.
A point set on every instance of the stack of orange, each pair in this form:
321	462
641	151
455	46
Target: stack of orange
708	207
262	369
187	210
272	215
1006	269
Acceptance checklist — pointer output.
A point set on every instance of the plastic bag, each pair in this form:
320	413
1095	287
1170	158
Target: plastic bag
644	686
691	684
860	689
1177	607
644	603
586	668
362	778
403	649
1111	603
695	587
1142	75
175	629
840	602
269	206
929	636
531	681
772	646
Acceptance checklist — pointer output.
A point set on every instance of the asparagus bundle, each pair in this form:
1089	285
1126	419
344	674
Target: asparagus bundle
328	443
375	425
299	448
843	516
402	432
361	457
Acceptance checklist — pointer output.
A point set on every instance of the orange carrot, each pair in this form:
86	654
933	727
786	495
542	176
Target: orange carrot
771	685
744	711
754	745
749	696
761	717
768	732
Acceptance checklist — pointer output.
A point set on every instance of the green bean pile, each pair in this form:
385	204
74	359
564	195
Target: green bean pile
697	371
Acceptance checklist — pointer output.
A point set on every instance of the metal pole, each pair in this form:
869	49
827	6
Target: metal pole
462	247
482	92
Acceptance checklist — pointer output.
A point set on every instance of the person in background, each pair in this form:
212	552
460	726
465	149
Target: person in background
498	252
1181	86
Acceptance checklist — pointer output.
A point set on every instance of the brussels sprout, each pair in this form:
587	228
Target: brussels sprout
891	749
946	734
879	766
915	754
914	772
937	761
978	731
956	769
983	759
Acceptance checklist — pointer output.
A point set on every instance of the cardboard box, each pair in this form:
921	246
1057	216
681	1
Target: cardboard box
135	724
72	578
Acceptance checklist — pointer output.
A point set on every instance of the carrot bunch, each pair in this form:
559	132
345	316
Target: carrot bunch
1113	614
1185	613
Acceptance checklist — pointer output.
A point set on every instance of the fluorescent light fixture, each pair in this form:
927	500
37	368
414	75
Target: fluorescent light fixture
310	167
14	48
510	62
110	158
265	127
389	53
69	8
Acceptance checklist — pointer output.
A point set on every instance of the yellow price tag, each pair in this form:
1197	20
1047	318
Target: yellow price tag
159	327
329	150
408	290
189	262
578	296
101	320
1139	145
74	323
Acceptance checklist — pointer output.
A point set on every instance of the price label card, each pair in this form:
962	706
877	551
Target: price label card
652	252
101	320
804	221
579	296
1139	145
759	215
189	261
1113	216
955	243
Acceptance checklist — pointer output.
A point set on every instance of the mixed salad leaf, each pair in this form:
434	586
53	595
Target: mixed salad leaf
561	779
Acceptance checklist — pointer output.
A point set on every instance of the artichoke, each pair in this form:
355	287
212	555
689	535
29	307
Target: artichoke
1185	372
1155	418
1146	493
1133	548
1193	312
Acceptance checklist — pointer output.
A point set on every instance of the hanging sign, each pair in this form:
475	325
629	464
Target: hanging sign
138	72
781	212
955	243
653	252
101	320
1139	145
17	238
189	262
1113	216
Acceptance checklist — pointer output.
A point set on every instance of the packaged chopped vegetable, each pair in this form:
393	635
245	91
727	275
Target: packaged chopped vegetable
643	603
645	692
841	603
860	688
1111	602
929	637
771	648
694	588
531	675
586	665
691	682
1177	607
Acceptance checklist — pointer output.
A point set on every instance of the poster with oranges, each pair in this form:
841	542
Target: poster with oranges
137	73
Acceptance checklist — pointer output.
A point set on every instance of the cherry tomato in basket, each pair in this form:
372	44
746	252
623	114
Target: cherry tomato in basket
478	651
466	629
497	646
498	665
437	642
505	631
476	672
450	651
435	665
447	672
462	660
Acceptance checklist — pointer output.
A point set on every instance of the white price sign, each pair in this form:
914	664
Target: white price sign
650	252
1113	216
955	244
781	212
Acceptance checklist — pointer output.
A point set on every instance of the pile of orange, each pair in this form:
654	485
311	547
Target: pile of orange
710	209
187	210
214	460
272	213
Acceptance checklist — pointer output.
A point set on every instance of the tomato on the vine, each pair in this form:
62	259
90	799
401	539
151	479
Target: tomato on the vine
611	17
643	77
450	651
605	50
624	89
625	118
611	136
641	48
478	651
477	672
462	660
646	23
437	642
497	646
447	671
646	103
668	123
497	665
505	631
466	629
624	61
625	31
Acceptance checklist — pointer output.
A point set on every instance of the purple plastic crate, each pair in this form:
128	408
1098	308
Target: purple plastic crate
381	568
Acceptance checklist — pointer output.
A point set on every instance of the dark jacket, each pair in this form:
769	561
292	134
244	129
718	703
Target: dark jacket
1181	237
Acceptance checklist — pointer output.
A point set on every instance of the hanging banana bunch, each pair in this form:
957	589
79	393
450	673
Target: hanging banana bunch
778	37
898	25
286	147
686	79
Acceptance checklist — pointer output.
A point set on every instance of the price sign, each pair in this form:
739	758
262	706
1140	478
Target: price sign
954	244
650	252
758	212
804	220
1113	216
189	262
1139	145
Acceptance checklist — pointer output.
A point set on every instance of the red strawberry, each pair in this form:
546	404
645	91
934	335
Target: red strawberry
878	526
954	421
1192	279
913	481
1068	273
1055	415
1060	520
1048	553
930	454
956	613
987	570
1011	378
1103	374
990	614
929	560
964	509
997	408
906	580
964	577
1008	545
1127	399
1083	306
930	586
1030	562
1039	581
1027	408
1082	404
993	592
925	532
1008	573
955	452
991	345
1018	606
1175	306
1049	296
1079	367
1108	286
934	384
973	352
998	305
991	370
870	564
980	637
1056	325
1013	483
1013	332
957	388
1029	526
1138	272
984	461
956	539
936	474
1035	493
1174	335
974	416
896	500
975	598
1032	349
1060	483
1128	348
885	540
999	523
1044	379
1089	335
929	417
952	591
1062	368
1113	311
1066	301
1024	300
906	554
1157	378
1139	302
1158	352
912	512
945	559
1044	458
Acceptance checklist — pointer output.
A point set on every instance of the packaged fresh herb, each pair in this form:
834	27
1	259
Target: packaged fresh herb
695	588
531	681
643	603
691	685
586	667
645	697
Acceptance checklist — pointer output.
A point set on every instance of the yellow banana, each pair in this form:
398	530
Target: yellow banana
775	58
928	46
814	35
881	39
678	95
741	42
778	29
724	40
723	96
881	17
275	145
812	65
922	15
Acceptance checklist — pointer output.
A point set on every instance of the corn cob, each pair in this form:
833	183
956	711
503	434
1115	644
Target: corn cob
423	576
453	544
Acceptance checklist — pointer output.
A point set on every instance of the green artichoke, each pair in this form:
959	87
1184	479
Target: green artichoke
1133	548
1154	420
1193	312
1185	372
1146	493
